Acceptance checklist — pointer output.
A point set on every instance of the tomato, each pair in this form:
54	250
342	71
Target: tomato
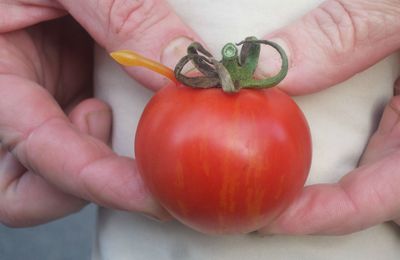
223	163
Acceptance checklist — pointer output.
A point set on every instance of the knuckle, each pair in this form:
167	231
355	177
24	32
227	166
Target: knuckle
395	104
341	26
335	27
133	18
11	217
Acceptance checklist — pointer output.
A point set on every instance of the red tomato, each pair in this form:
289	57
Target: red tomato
223	163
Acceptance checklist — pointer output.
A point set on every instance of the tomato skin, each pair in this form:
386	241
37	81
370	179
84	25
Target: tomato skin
223	163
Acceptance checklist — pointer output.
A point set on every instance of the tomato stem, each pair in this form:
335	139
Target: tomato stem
234	71
131	58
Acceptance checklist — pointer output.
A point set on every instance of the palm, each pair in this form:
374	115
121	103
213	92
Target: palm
60	58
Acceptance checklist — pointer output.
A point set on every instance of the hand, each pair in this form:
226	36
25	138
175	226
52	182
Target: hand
327	46
54	157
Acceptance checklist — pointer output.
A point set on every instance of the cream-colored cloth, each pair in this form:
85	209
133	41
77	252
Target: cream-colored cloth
341	120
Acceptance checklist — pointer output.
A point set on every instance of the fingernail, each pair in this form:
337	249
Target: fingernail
269	230
269	63
174	51
154	218
157	214
99	124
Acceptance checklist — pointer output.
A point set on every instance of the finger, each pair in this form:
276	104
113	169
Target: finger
386	139
150	28
93	117
37	132
334	42
27	199
20	14
365	197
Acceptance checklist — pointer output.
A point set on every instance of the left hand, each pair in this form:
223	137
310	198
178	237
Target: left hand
339	39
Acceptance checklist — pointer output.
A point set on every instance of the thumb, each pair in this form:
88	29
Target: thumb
335	41
149	27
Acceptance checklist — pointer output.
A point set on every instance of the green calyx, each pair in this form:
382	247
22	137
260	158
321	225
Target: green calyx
235	71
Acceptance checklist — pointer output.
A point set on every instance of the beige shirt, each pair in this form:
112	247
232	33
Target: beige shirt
341	120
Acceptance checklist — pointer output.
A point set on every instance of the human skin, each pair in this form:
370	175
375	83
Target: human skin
46	115
54	157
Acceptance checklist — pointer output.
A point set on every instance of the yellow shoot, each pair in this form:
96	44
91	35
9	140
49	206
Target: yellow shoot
131	58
